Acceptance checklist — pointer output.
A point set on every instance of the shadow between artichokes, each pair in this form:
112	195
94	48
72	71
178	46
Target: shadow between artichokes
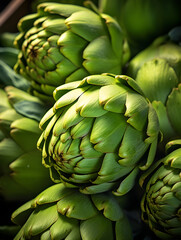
98	135
161	203
63	43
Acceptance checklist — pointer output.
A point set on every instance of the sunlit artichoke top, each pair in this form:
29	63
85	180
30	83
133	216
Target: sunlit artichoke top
63	43
161	204
97	132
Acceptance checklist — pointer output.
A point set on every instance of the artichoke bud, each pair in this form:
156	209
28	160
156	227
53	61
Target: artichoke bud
63	43
143	21
95	135
73	215
157	71
161	202
20	160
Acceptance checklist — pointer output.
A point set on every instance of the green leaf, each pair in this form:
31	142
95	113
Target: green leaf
111	170
93	189
70	43
97	227
123	229
31	110
136	110
69	97
174	107
127	184
165	125
112	127
82	128
108	205
9	77
86	24
156	78
88	104
55	26
25	132
64	10
100	79
21	214
116	35
9	55
38	221
77	205
100	58
132	147
65	228
52	194
113	98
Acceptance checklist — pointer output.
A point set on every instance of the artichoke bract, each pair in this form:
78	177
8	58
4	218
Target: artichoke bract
161	203
97	132
63	43
65	213
157	70
22	174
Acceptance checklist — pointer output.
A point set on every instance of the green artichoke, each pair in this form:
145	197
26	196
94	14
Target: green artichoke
157	70
142	21
63	43
64	213
22	174
97	132
35	3
161	203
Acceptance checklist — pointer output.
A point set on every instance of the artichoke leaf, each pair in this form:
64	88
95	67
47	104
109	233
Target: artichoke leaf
99	223
65	228
38	221
88	104
127	184
99	57
174	107
76	206
110	207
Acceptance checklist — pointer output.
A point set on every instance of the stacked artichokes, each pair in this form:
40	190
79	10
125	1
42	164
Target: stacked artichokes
90	122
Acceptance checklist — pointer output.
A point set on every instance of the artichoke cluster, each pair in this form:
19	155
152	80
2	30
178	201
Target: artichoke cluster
90	109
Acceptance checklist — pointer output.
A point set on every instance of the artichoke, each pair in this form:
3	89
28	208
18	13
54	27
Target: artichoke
64	213
142	21
157	70
63	42
161	203
22	174
97	132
